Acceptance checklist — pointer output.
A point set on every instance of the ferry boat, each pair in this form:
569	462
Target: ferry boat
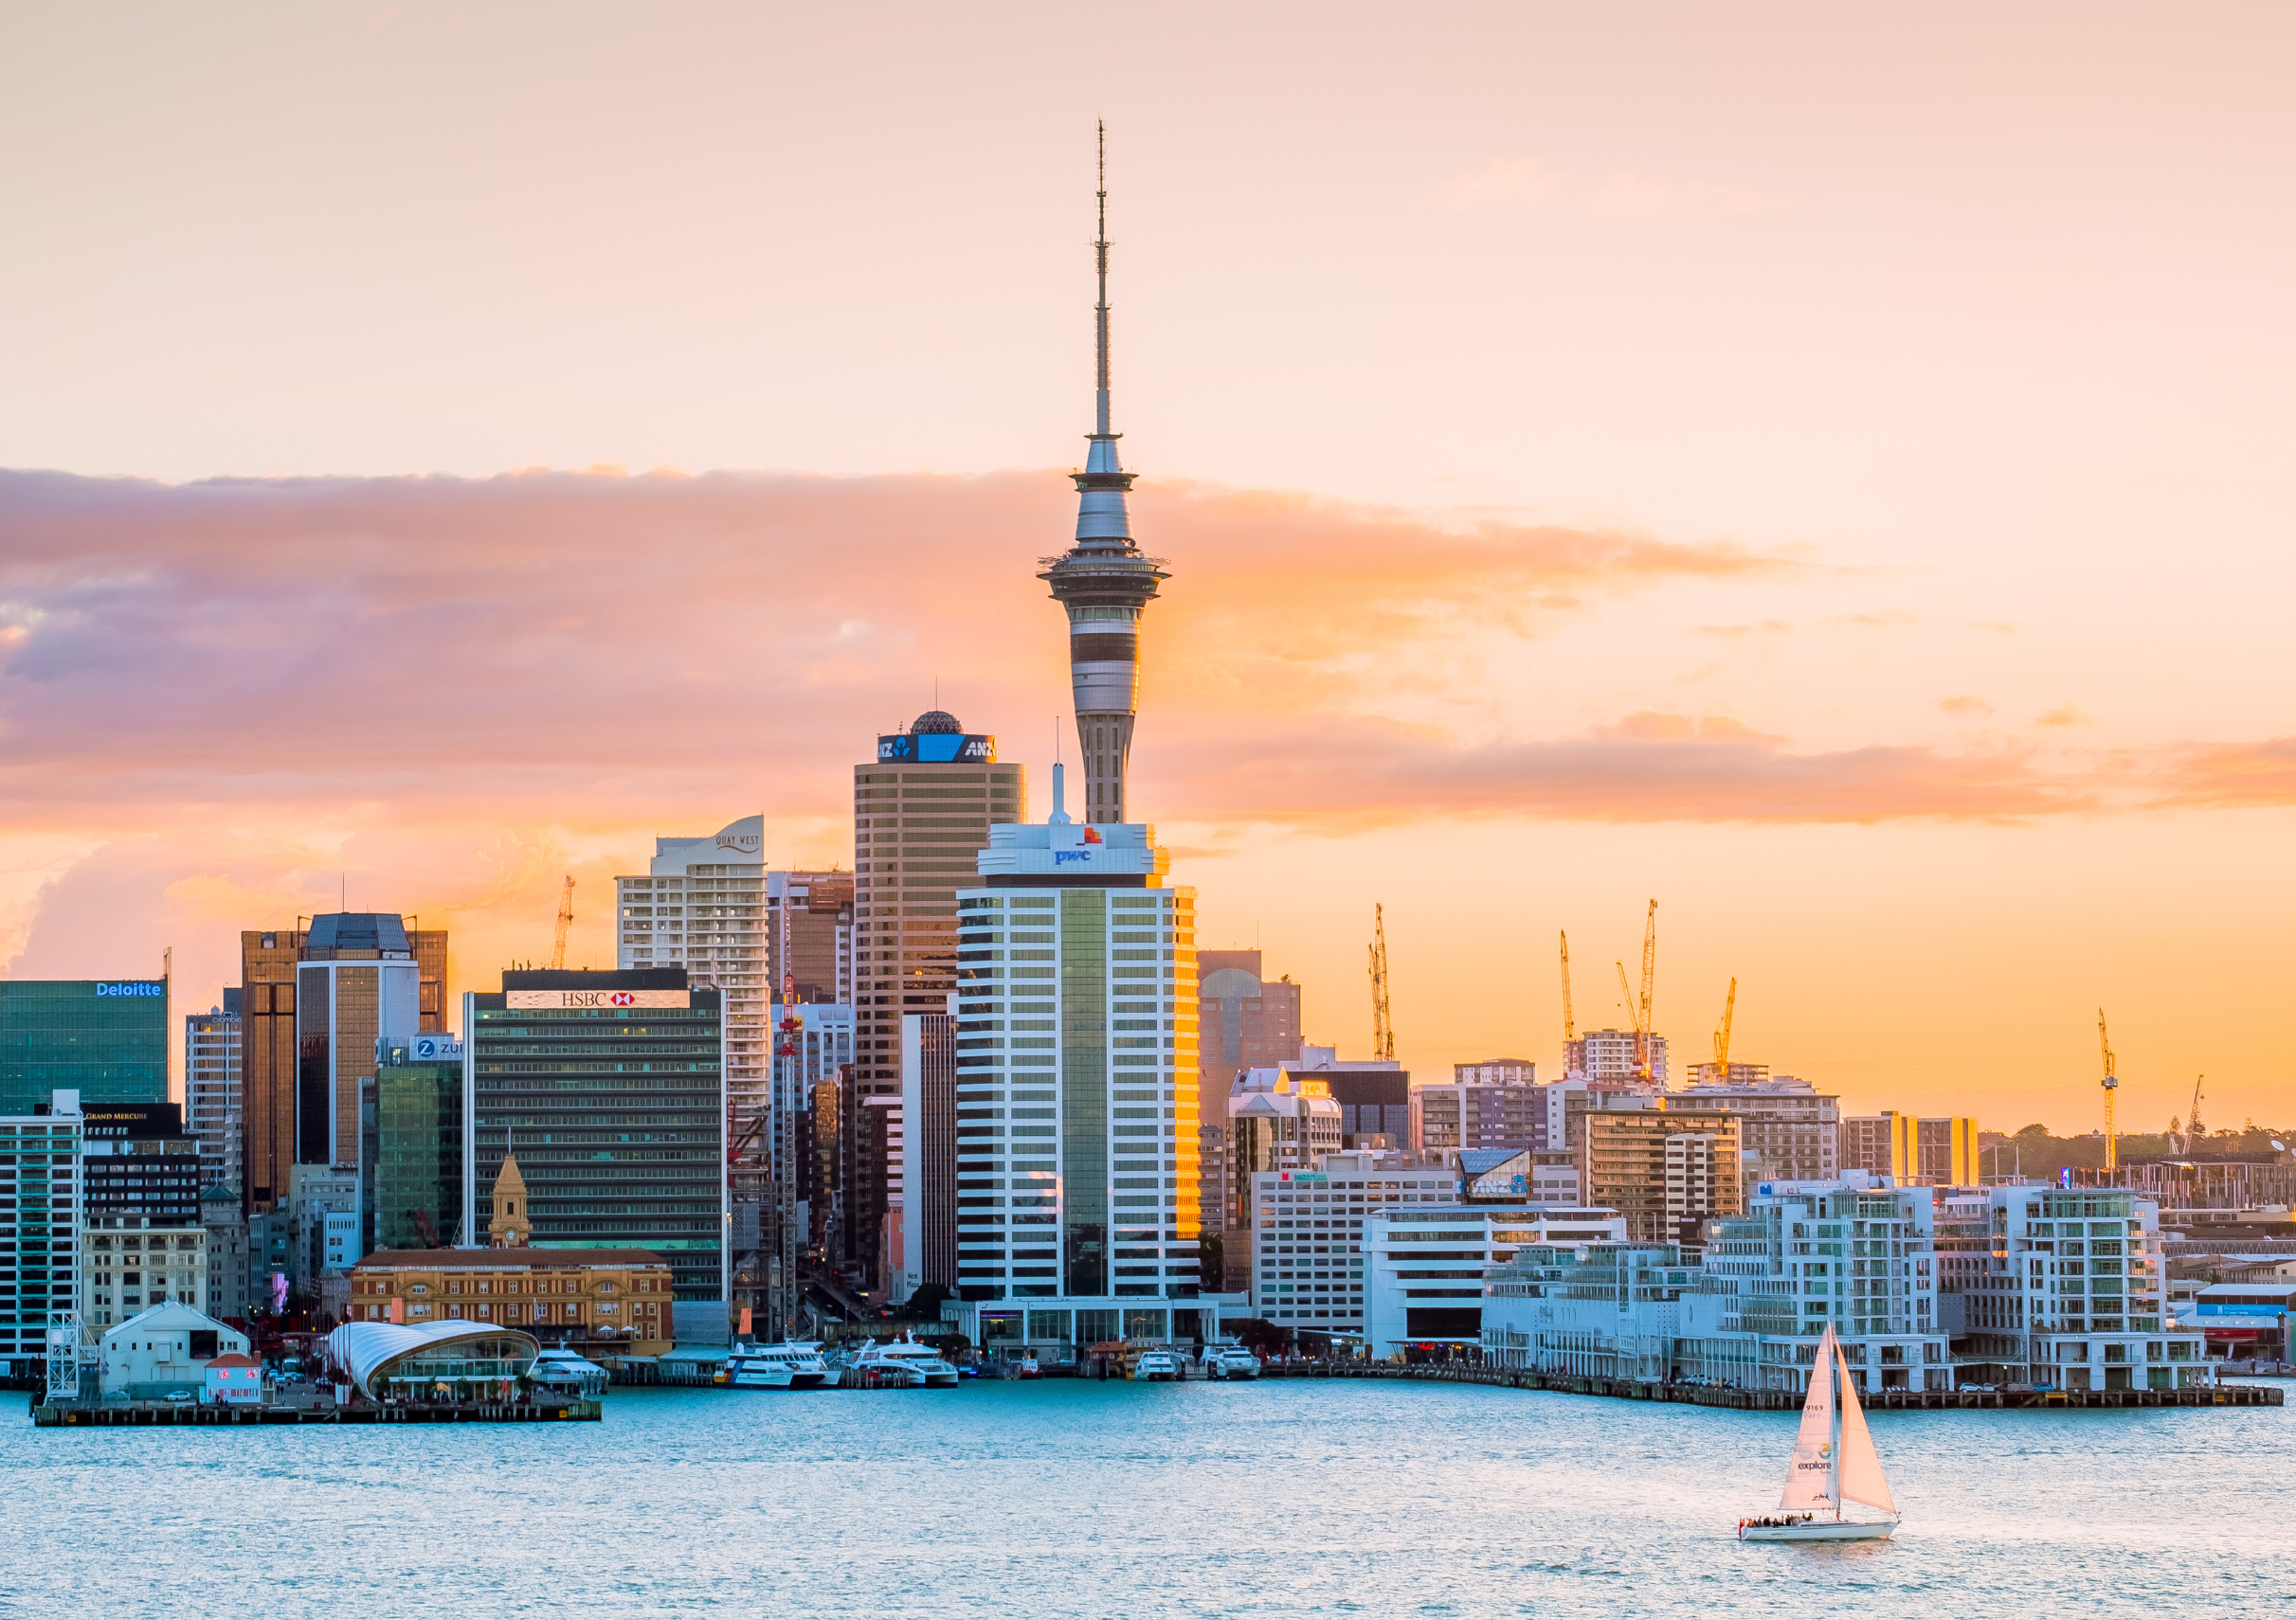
912	1363
1833	1462
1229	1361
560	1368
779	1367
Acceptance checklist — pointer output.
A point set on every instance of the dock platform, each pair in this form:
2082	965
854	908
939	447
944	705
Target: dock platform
72	1414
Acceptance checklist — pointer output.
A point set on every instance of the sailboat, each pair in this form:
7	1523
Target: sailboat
1833	1462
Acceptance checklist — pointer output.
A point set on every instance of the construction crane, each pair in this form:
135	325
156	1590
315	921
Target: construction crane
1641	1010
1383	1026
1570	1028
1722	1036
1626	994
2193	1130
2112	1084
565	921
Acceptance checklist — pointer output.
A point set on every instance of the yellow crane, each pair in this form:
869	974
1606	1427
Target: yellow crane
1650	969
1383	1027
1626	994
2193	1130
1571	1030
2112	1084
1722	1036
565	921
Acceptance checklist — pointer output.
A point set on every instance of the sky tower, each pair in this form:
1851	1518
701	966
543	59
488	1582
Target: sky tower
1104	582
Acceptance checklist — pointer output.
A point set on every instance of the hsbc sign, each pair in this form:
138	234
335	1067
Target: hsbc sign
534	1000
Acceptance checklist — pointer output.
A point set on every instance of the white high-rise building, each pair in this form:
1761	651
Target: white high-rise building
212	1103
701	906
1076	1069
1607	1058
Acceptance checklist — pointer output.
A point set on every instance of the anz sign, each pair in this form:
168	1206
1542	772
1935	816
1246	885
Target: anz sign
943	747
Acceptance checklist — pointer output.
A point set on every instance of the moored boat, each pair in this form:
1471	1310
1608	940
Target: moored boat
1156	1366
560	1368
903	1360
788	1366
1229	1360
1834	1463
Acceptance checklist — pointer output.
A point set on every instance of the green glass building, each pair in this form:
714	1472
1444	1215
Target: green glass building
105	1038
410	1145
610	1090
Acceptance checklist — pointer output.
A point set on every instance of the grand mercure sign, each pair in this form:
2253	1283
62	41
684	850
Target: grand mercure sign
537	1000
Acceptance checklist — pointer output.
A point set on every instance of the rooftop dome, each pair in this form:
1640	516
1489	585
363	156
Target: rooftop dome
937	723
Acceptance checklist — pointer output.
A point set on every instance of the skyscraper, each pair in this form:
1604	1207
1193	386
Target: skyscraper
356	983
1075	1025
611	1089
41	1163
1249	1022
104	1038
274	1064
701	906
921	813
1104	581
212	1095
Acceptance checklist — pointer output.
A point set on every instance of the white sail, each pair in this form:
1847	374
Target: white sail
1861	1465
1810	1484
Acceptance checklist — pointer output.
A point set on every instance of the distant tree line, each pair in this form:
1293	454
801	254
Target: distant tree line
2039	1156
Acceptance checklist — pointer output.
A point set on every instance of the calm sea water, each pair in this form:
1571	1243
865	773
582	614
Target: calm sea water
1091	1498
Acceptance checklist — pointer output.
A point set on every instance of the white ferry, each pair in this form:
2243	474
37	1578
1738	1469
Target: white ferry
904	1356
568	1370
1229	1361
779	1367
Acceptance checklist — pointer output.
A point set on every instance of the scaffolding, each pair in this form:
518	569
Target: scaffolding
63	1355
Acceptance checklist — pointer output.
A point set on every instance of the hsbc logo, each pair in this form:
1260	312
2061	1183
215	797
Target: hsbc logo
623	998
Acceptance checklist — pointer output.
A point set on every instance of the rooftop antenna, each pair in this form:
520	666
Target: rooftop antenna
1100	412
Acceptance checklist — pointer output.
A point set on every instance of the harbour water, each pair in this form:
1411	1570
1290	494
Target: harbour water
1282	1498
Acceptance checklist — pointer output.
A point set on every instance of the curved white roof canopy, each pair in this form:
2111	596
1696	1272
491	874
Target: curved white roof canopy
373	1351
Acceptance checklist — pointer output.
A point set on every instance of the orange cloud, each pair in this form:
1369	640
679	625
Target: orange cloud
1647	767
2232	776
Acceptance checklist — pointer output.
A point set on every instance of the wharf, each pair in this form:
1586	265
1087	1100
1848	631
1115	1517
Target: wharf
138	1414
1790	1400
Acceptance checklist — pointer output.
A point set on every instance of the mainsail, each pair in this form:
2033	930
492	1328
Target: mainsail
1860	1478
1809	1476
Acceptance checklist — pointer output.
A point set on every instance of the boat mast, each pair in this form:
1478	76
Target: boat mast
1839	1372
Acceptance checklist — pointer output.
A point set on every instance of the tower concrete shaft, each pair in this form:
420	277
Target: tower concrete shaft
1104	581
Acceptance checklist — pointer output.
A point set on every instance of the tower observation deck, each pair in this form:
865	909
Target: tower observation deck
1104	581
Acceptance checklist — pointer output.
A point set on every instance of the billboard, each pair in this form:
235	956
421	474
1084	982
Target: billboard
936	748
542	999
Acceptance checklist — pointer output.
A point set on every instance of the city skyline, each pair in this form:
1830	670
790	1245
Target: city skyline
1900	620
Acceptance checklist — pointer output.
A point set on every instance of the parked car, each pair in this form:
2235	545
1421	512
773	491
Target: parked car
179	1395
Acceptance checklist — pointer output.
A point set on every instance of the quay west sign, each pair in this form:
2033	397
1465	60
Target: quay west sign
607	999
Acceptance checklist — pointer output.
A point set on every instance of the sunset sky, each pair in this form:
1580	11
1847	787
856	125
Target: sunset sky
1826	469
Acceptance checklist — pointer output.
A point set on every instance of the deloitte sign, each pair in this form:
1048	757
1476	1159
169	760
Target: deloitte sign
132	987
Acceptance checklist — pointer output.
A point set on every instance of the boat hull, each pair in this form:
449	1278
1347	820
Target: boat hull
1819	1530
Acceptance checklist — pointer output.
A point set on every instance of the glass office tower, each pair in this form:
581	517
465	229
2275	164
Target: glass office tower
410	1149
104	1038
610	1088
